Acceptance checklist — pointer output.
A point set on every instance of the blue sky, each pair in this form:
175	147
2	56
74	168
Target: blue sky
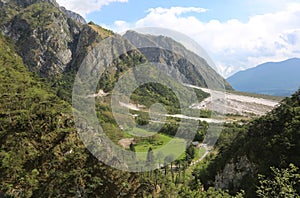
237	34
217	9
136	9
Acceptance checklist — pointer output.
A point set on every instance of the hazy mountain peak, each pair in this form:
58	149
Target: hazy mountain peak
274	78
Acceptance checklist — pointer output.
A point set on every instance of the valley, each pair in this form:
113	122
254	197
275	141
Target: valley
174	128
237	107
227	104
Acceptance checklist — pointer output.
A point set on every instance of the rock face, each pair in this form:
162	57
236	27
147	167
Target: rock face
76	17
177	61
51	40
44	35
234	172
89	34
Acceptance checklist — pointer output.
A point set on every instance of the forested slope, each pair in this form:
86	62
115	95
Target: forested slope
269	141
40	152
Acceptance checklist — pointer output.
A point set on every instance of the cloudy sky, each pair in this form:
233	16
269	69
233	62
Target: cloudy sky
237	34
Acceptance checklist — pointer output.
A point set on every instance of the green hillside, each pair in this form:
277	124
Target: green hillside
269	141
41	154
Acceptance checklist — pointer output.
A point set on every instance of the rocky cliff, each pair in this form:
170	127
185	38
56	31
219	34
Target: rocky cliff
45	34
179	62
234	172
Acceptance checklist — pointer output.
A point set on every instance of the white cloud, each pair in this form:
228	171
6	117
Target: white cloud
233	45
176	10
85	7
121	25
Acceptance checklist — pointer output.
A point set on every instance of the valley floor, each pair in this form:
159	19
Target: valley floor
234	104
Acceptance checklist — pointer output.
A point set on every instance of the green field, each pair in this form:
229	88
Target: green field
162	146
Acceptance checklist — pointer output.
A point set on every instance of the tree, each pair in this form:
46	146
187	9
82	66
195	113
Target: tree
200	135
159	157
170	159
142	120
131	147
178	164
184	166
282	183
150	158
190	153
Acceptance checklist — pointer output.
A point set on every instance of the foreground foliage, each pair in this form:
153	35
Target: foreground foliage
281	184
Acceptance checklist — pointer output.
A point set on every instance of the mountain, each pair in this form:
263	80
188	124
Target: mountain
44	33
272	78
181	63
41	154
53	42
42	45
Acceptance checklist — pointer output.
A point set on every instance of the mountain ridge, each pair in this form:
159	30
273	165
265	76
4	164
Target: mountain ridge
273	78
26	3
173	54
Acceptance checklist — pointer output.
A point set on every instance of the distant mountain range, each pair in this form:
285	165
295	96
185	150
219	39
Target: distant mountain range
272	78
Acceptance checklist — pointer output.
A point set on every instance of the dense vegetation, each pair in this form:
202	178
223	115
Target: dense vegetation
269	141
41	154
152	93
